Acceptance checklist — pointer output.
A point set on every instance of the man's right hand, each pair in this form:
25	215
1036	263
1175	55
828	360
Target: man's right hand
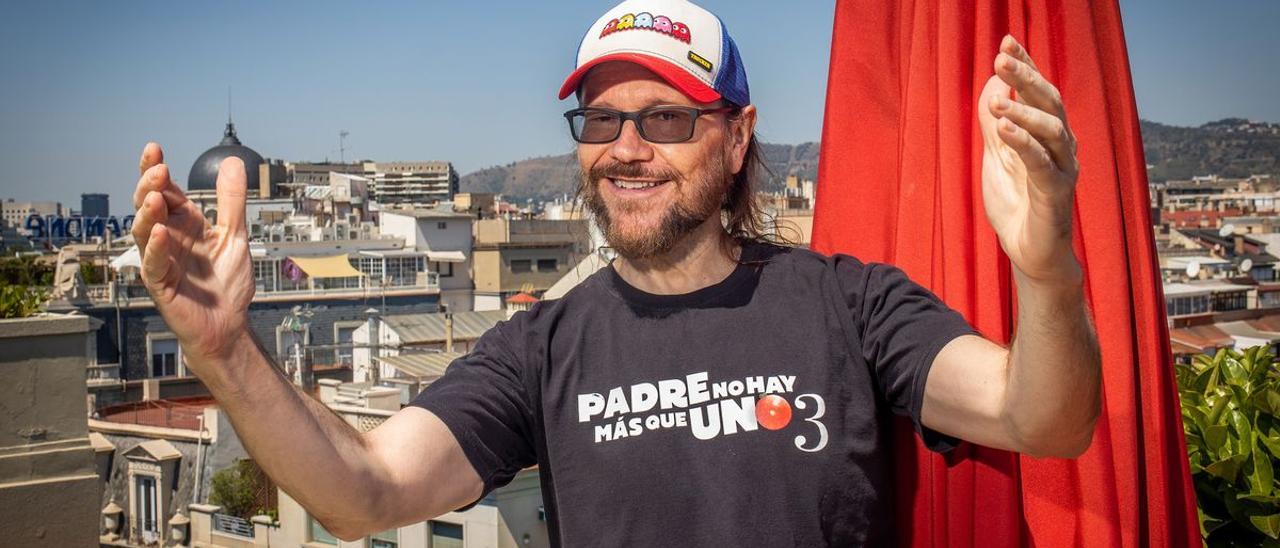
199	275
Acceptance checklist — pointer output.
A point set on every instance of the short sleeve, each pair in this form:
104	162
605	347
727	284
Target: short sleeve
482	399
901	326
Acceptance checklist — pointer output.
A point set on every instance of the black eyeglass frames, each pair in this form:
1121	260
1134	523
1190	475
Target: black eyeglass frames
662	124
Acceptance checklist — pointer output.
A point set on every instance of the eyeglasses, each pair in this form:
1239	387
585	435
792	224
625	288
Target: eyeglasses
665	124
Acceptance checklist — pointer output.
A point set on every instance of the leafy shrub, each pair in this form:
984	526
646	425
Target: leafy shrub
20	301
1231	416
25	270
243	490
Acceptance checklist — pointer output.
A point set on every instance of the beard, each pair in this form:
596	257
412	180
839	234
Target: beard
696	201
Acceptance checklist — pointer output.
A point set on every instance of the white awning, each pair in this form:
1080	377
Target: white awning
447	256
130	257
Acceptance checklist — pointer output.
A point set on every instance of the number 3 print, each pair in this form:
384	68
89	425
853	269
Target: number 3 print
822	430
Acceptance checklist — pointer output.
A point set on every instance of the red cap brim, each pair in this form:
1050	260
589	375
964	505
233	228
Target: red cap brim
679	78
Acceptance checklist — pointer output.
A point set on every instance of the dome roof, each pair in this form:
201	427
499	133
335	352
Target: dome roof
204	173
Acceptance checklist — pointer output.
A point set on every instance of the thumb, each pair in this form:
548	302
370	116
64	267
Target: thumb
232	190
987	118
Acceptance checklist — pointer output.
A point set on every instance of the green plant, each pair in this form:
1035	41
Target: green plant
25	270
243	490
1231	416
20	301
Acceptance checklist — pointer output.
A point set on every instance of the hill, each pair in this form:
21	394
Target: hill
1231	147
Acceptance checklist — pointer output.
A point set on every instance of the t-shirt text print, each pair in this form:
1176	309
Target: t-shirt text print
708	408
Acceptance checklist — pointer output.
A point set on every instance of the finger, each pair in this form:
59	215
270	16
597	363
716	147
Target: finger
151	212
156	178
231	195
1033	89
1049	130
152	155
1011	46
158	262
1034	156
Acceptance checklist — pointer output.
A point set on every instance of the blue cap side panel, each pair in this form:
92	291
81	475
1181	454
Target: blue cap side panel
731	82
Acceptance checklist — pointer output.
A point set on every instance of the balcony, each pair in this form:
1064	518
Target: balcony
103	374
134	294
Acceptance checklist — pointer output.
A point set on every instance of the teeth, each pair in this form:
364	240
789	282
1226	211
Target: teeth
634	185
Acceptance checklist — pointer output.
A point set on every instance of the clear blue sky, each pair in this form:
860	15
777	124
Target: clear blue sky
83	85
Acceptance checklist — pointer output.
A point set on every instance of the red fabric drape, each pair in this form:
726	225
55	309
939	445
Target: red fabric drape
900	182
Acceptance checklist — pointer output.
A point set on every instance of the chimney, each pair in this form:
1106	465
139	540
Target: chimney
448	331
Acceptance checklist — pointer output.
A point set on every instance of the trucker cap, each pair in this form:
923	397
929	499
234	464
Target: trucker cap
678	40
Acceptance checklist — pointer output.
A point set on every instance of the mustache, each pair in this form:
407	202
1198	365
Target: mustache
619	170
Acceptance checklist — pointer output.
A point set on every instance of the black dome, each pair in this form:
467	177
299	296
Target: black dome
204	173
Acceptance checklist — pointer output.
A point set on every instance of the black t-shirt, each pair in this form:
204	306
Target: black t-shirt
662	420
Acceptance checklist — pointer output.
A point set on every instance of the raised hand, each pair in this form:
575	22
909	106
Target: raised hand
199	275
1029	167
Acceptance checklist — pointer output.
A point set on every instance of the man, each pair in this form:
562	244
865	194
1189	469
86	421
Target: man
704	389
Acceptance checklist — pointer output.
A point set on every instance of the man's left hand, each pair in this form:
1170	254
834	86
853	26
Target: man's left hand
1029	167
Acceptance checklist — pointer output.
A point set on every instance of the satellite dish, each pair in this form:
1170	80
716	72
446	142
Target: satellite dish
1227	230
1246	265
1193	268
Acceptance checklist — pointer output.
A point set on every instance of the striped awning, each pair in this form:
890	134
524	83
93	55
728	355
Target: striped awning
333	266
447	256
419	329
423	365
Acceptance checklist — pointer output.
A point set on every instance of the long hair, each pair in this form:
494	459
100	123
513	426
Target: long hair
744	219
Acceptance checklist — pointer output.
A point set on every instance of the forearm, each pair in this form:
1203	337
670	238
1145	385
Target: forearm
1053	395
306	449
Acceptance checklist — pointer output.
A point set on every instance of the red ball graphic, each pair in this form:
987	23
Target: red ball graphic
773	412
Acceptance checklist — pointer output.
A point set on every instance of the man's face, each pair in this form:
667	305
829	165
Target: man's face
646	197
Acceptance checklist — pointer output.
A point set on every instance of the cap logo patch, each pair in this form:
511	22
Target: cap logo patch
700	61
644	20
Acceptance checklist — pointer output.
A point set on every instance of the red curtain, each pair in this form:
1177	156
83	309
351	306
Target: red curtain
900	182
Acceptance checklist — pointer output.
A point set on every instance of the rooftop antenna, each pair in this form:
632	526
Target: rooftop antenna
342	145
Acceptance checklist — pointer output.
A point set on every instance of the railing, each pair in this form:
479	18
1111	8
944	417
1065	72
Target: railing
104	373
362	418
98	292
128	293
232	525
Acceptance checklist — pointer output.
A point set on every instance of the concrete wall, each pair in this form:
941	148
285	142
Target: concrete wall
49	487
518	503
493	267
404	226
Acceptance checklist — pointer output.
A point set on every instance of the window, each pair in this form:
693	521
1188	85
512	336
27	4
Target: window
442	225
319	534
546	265
342	340
386	539
445	270
445	535
164	357
266	274
521	265
148	508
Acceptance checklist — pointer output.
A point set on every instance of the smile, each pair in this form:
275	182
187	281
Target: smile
627	184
